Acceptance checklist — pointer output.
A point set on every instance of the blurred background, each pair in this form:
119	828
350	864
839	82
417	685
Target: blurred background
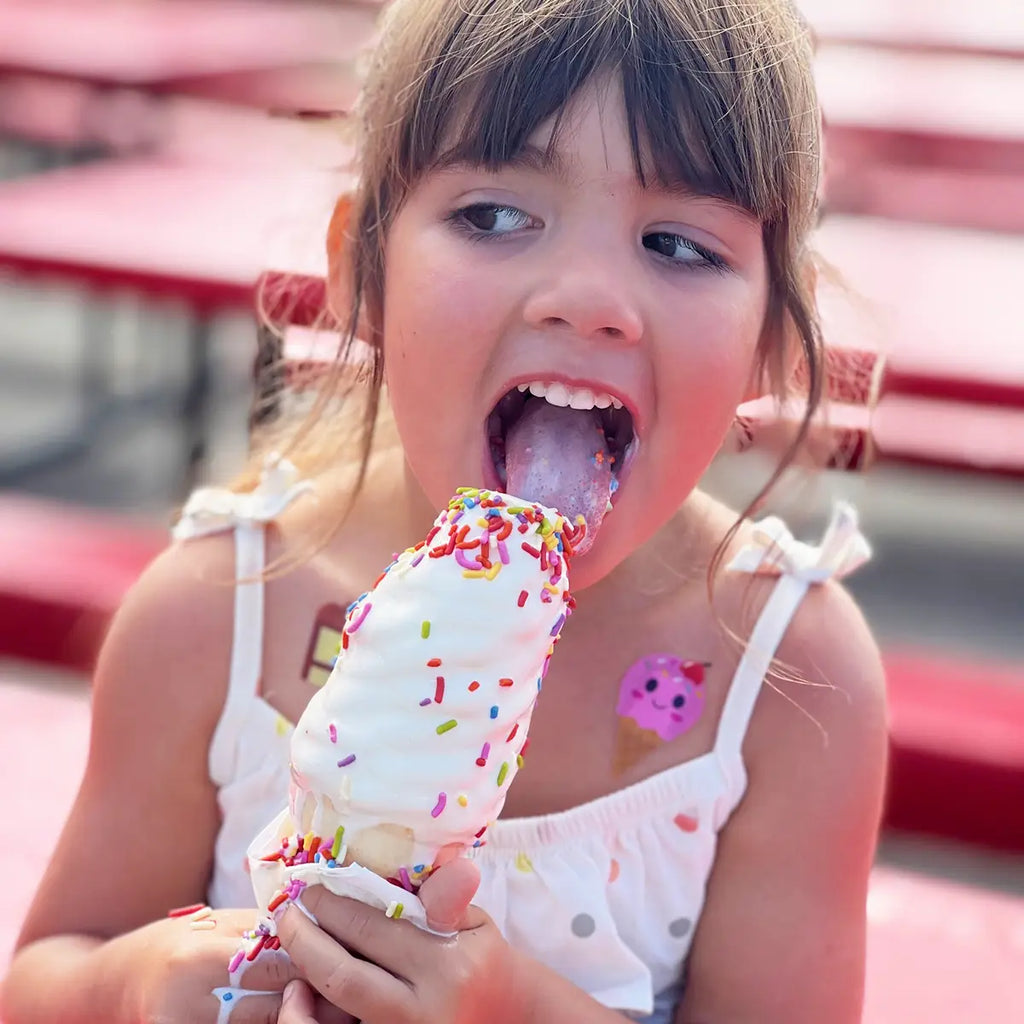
158	156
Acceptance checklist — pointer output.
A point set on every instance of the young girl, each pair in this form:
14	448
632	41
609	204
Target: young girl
594	209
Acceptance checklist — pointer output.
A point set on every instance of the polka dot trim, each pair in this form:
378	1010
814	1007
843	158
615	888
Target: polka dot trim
583	926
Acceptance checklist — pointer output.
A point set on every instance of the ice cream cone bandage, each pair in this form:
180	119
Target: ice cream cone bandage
660	698
408	750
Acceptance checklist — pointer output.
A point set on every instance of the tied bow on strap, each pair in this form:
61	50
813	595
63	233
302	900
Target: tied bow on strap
842	550
215	509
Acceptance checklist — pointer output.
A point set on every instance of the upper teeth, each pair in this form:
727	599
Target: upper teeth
575	398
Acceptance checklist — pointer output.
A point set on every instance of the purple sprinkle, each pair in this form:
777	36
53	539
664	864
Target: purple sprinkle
403	877
442	800
455	518
416	561
558	625
332	729
346	761
463	560
425	702
503	553
358	621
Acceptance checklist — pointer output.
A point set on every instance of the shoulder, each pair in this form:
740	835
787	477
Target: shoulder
829	670
168	648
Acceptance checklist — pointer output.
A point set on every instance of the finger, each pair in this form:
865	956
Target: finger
358	987
447	894
397	946
271	969
298	1004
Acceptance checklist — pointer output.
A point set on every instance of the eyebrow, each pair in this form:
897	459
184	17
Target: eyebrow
542	161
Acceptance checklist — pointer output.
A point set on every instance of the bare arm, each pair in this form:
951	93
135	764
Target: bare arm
139	837
782	936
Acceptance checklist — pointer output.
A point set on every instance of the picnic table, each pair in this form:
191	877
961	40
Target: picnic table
991	28
124	42
106	80
187	233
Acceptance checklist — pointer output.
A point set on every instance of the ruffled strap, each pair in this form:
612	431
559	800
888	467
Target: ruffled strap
216	509
775	551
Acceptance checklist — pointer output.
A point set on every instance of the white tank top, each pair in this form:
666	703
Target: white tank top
607	893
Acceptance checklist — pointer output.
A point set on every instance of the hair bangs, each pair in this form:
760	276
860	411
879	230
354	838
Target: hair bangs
505	70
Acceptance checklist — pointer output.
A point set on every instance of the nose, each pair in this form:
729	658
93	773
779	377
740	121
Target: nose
589	296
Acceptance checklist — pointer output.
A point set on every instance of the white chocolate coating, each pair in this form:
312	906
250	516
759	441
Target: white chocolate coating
440	639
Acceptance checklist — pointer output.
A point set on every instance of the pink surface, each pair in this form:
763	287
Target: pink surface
941	93
942	952
42	756
202	233
933	299
127	42
937	951
987	26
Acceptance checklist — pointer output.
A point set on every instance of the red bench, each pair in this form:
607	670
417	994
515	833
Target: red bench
63	573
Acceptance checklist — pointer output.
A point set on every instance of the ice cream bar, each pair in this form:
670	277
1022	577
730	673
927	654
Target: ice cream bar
409	749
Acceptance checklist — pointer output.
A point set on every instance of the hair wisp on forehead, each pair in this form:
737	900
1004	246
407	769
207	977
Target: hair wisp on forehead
718	95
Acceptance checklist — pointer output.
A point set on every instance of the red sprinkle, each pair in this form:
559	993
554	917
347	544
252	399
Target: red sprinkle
439	690
511	735
474	686
185	911
255	951
529	549
434	663
506	682
523	595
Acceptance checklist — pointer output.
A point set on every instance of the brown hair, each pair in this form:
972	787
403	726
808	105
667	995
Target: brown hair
719	96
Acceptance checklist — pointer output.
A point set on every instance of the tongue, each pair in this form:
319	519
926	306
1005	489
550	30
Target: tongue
559	457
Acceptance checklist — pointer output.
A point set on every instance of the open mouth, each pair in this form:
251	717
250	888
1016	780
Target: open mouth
608	412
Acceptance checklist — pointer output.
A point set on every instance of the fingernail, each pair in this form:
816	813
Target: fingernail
288	994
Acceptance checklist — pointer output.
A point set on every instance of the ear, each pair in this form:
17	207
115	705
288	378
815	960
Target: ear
339	263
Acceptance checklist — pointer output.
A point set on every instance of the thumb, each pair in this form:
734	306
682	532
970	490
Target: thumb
447	894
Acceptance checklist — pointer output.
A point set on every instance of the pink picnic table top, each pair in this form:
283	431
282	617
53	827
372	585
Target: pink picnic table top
938	951
939	302
945	94
126	42
202	233
985	26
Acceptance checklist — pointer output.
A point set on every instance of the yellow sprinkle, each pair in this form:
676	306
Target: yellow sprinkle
394	910
519	760
336	845
523	863
502	772
483	523
425	630
469	492
551	588
282	726
463	800
446	726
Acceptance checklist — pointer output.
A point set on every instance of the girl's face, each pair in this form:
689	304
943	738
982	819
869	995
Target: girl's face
571	271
